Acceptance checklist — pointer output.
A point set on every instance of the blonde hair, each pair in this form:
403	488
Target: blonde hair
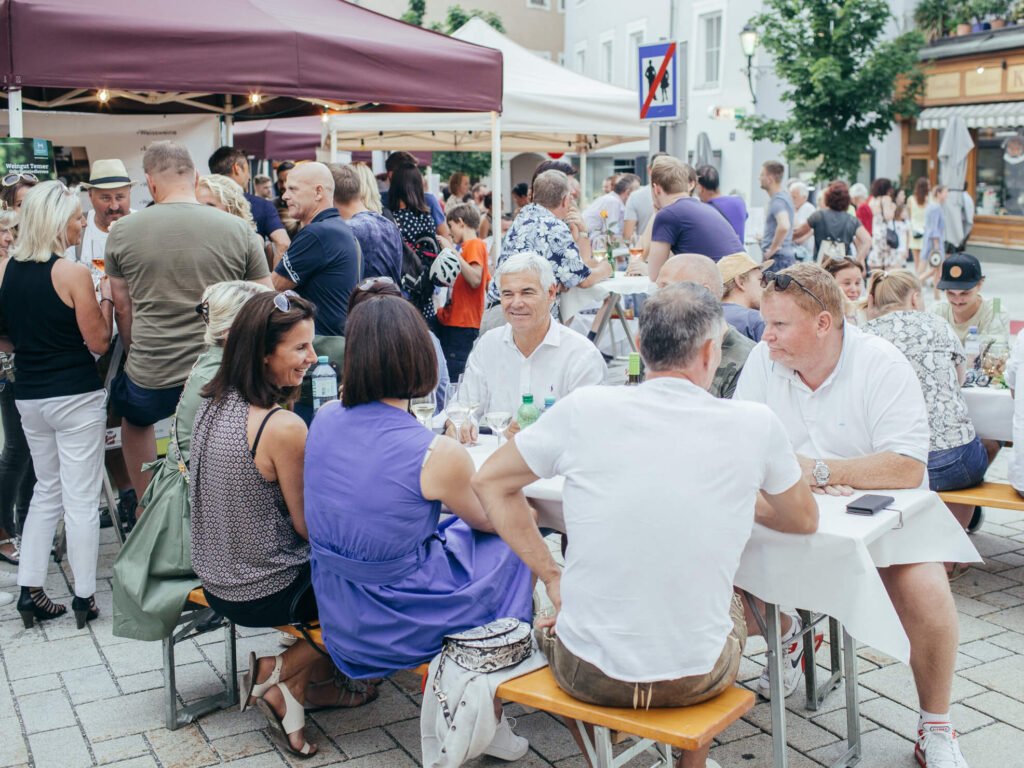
816	282
220	304
45	214
368	191
889	291
672	175
8	218
230	195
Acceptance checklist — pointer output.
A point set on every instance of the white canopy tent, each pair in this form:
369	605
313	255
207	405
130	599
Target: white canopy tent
545	108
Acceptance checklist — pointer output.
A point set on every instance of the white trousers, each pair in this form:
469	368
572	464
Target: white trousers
65	436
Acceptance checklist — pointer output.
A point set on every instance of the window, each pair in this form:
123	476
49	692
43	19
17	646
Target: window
710	26
542	4
634	39
561	6
999	174
580	58
561	58
607	52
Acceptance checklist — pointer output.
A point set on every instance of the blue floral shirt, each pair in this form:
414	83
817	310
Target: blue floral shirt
537	229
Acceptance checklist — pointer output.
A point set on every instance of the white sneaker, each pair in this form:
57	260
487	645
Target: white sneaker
937	747
506	745
6	598
792	659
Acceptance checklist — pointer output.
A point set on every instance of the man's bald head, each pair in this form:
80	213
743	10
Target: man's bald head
308	191
692	268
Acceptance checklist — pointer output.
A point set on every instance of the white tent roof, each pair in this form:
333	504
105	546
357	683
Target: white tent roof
546	108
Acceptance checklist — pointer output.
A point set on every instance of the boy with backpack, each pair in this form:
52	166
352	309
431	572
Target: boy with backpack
458	322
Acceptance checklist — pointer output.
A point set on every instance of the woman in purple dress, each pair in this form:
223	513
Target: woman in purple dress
391	580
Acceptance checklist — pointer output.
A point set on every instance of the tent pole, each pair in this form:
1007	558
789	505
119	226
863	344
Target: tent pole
17	126
583	171
495	187
227	124
334	145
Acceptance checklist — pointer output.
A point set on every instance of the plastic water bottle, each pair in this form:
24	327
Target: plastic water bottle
549	401
325	383
527	413
972	347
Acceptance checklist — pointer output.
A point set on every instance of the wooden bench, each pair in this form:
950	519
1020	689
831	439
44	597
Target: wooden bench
1002	495
655	730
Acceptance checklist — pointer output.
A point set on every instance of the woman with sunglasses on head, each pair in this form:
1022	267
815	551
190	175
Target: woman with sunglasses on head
14	187
849	273
249	545
956	459
383	285
153	571
52	321
394	579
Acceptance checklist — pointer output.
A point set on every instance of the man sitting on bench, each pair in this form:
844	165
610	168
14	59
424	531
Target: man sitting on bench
659	503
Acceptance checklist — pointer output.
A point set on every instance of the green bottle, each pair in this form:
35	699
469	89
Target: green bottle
633	370
527	413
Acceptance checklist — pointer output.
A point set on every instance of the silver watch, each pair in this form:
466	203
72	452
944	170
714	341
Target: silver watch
822	474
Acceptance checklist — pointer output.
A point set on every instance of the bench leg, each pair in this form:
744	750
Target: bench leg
603	748
176	716
778	700
853	751
230	664
170	686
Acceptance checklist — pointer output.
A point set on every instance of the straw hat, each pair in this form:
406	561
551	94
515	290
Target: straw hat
108	174
736	264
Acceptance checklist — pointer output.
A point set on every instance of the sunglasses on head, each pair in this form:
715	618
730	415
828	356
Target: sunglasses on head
369	282
203	310
13	178
782	283
282	302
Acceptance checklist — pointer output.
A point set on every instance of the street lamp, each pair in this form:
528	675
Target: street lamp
748	44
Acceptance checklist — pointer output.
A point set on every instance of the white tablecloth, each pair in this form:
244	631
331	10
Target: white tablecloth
991	411
831	571
576	299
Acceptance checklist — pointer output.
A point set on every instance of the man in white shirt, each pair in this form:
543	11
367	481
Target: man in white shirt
645	609
110	194
853	409
606	214
800	193
532	354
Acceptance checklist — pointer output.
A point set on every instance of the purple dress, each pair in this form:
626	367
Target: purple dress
391	582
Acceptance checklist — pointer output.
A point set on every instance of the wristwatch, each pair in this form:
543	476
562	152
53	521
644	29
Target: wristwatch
821	473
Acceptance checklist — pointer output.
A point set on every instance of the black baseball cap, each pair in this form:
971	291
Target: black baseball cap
960	272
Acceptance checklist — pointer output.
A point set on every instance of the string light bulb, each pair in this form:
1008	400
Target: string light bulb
103	96
255	98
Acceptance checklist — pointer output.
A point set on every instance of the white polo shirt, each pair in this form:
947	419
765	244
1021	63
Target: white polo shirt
497	374
870	403
660	485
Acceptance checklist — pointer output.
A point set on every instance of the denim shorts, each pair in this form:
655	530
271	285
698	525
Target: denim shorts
142	407
955	468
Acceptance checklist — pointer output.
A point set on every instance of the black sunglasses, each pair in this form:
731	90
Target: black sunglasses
783	282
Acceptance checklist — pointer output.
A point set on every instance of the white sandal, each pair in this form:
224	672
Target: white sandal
250	688
294	720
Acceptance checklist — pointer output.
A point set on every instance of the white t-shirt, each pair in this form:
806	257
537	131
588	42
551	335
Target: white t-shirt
802	214
94	244
615	209
870	403
497	374
659	504
1014	380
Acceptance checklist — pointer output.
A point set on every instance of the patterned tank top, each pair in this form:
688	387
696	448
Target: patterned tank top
244	546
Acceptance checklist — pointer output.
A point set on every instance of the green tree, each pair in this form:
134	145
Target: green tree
415	12
476	164
844	85
457	16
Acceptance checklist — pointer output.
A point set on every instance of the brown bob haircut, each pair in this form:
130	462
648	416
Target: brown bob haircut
255	333
388	352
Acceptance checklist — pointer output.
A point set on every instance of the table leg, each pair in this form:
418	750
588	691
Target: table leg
852	699
778	696
602	319
622	319
603	748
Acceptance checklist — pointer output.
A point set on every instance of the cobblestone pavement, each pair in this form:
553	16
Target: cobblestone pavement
73	698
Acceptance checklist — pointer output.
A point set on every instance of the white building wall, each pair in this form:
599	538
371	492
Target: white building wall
590	24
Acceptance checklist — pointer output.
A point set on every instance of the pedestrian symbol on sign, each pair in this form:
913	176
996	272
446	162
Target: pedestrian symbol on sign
658	82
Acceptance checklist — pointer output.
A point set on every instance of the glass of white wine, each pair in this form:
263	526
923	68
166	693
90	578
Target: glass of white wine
456	410
498	421
423	409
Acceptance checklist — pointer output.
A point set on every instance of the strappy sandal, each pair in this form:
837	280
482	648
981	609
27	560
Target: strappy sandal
294	720
15	557
958	570
252	689
351	693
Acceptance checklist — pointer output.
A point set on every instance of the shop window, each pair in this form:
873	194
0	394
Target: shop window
999	174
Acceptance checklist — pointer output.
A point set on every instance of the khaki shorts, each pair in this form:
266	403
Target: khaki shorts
583	681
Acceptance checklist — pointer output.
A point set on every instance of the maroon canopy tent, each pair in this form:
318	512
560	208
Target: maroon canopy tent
235	57
286	138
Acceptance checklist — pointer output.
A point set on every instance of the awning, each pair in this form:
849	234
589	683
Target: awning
1000	114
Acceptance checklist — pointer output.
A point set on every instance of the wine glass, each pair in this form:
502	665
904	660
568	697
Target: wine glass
498	421
423	408
457	410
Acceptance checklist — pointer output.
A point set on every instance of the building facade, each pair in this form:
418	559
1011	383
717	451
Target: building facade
535	24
